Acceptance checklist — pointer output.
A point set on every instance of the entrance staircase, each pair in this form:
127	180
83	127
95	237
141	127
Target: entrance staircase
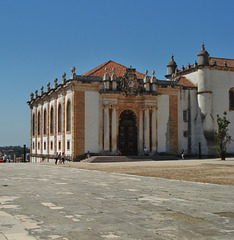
103	159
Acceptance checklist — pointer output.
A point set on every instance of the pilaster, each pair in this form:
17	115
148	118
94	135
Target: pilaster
140	132
73	123
106	129
154	130
173	124
114	130
146	128
63	123
79	121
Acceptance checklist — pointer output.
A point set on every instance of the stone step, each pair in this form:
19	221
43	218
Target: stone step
101	159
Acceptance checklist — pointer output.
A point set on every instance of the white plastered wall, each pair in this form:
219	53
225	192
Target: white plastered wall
193	77
183	105
91	121
182	126
222	82
163	121
219	83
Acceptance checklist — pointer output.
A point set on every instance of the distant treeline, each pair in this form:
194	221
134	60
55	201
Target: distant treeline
13	150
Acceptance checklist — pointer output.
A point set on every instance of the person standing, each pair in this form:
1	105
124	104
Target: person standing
60	160
63	158
56	158
182	154
146	151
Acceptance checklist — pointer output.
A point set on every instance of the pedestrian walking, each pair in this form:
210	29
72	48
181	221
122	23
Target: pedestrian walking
60	160
56	158
63	158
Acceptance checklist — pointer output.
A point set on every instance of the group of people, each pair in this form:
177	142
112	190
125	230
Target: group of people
59	158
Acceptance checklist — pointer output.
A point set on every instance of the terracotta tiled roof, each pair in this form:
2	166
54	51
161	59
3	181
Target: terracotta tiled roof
119	70
183	81
221	61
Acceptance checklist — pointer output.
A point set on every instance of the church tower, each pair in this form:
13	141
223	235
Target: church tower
171	66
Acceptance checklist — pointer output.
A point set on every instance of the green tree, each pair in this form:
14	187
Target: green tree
223	139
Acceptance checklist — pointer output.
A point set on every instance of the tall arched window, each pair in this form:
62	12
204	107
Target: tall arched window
59	118
231	99
52	120
33	125
45	122
68	115
39	123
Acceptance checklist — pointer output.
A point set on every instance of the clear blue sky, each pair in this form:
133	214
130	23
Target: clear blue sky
41	39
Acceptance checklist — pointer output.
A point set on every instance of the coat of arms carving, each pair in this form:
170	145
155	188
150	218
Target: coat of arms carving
129	83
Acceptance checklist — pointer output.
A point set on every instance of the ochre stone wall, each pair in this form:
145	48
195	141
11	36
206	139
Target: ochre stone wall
79	123
173	118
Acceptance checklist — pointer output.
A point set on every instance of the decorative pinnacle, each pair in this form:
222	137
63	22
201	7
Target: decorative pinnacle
64	75
73	69
48	87
113	76
203	46
172	57
42	88
153	72
146	72
55	82
31	96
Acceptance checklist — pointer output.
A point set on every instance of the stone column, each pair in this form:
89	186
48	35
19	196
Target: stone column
114	130
73	128
140	133
106	129
154	130
146	128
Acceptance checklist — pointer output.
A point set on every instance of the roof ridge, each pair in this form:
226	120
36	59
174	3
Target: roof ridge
101	66
96	68
222	58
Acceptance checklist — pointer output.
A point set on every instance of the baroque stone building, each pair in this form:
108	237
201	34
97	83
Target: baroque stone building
113	108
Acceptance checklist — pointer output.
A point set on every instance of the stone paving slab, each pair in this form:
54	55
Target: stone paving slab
49	202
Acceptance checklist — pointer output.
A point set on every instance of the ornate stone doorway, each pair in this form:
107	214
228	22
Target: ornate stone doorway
127	142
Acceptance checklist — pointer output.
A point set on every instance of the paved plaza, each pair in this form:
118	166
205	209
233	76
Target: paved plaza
51	202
